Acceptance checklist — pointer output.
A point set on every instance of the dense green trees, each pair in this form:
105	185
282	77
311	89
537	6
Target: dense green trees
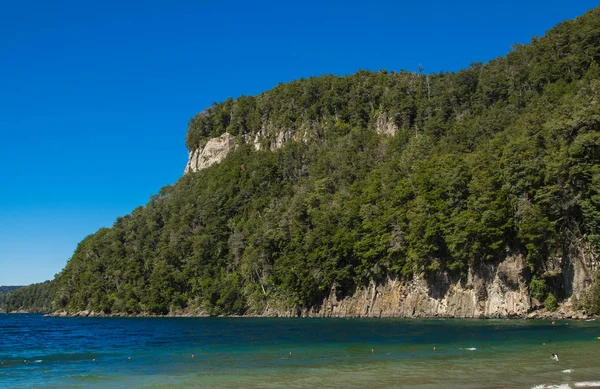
4	292
494	159
31	298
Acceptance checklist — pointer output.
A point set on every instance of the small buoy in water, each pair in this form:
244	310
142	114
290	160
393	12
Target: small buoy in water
129	358
290	353
192	355
433	348
553	322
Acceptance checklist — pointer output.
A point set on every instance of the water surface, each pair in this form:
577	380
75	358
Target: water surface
42	352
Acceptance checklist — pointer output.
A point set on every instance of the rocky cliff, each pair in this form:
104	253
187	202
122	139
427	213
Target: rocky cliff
214	151
268	136
495	290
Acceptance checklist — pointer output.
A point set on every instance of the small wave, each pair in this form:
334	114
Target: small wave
470	348
38	361
542	386
567	371
587	384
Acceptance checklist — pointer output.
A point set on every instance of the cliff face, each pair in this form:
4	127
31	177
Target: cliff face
497	290
268	136
214	151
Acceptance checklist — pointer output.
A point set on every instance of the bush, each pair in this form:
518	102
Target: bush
538	288
551	303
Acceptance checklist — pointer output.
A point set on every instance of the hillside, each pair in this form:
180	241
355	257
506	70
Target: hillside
4	291
474	193
8	288
30	298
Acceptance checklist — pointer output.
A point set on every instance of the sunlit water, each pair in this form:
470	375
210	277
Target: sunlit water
40	352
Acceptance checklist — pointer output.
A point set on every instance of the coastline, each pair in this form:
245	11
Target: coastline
535	315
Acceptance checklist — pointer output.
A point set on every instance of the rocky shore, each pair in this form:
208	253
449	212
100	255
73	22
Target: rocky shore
535	315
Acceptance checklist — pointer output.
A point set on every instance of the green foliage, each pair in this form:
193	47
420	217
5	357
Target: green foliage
31	298
551	303
538	288
4	293
501	157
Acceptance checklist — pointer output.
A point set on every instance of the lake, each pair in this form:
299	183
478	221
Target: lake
44	352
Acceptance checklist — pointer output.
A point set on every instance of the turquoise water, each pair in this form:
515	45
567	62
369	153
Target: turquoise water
41	352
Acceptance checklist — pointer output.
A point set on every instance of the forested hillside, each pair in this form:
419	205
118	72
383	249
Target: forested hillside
4	291
30	298
497	159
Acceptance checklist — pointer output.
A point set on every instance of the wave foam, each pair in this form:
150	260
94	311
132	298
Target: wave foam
587	384
567	371
583	384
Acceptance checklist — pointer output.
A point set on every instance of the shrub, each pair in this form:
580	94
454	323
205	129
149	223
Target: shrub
551	303
538	288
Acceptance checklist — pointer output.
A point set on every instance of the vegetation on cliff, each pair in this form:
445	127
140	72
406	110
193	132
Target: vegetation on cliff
499	158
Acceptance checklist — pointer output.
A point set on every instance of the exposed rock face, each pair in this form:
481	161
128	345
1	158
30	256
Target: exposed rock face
268	137
386	126
584	265
494	290
214	151
489	291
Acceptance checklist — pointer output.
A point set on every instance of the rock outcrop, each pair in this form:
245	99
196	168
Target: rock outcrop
214	151
386	126
494	290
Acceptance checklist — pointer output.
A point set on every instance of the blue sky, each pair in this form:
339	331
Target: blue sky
95	96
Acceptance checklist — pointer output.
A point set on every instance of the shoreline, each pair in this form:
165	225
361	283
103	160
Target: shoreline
535	315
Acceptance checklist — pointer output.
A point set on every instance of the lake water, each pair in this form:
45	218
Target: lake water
42	352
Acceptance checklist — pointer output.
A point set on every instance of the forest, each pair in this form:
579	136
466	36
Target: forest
499	158
30	298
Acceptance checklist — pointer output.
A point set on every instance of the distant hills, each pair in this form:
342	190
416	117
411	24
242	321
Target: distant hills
7	289
30	298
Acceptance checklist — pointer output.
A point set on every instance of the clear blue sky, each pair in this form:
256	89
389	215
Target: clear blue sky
95	95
